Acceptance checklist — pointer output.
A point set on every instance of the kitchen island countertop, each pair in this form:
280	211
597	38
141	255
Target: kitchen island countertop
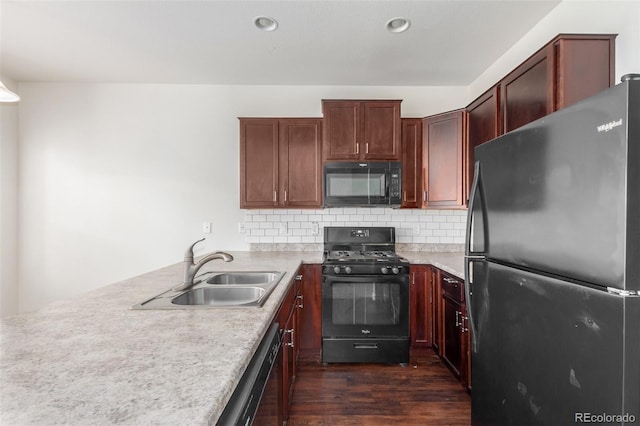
92	359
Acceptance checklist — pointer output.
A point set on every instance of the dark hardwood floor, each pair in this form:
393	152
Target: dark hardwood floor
424	393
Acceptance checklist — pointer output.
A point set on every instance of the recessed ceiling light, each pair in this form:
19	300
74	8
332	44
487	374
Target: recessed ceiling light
265	23
398	25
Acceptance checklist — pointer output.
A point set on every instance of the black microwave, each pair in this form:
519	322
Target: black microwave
362	184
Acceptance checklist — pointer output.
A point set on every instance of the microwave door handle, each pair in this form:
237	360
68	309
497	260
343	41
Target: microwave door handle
387	186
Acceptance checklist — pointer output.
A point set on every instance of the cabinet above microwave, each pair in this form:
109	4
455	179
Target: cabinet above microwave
361	130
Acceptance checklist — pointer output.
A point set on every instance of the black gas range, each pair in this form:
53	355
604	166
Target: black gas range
362	250
364	262
365	296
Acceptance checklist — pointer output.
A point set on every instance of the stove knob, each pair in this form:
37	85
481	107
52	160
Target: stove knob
384	270
395	270
347	269
336	269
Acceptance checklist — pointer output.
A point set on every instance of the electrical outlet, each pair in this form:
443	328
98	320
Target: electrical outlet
416	229
283	228
206	227
241	228
315	228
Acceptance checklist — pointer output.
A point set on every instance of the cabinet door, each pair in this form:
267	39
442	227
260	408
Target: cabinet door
311	312
452	344
382	127
288	318
341	130
527	92
300	171
442	159
420	313
483	124
437	311
585	66
289	361
569	68
258	162
411	162
361	130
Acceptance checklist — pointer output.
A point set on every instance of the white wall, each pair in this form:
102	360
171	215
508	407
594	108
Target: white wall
575	16
8	205
116	180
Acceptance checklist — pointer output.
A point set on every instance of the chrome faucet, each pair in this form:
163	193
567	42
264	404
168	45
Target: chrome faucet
191	269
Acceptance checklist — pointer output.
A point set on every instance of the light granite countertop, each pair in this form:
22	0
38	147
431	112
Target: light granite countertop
452	262
93	360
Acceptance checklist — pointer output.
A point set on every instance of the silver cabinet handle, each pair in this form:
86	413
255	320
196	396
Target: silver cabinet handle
290	331
357	148
366	148
463	324
450	280
301	298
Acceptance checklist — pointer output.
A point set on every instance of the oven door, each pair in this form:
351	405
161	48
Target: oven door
365	306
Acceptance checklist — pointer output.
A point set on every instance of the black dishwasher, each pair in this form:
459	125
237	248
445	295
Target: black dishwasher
245	405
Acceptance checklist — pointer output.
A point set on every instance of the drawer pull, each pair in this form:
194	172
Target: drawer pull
365	346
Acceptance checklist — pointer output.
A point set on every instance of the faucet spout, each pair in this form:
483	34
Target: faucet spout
191	268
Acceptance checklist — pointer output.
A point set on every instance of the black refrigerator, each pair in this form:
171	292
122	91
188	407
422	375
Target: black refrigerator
553	268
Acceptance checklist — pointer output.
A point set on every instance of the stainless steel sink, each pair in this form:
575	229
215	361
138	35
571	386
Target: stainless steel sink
243	278
222	289
220	296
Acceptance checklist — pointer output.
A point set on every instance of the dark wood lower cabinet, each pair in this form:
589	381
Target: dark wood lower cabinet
452	345
453	324
311	310
299	318
438	318
421	306
288	318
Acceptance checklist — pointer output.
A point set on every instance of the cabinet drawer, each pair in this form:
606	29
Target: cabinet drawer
452	287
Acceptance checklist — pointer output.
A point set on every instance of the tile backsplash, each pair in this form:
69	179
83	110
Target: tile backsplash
413	226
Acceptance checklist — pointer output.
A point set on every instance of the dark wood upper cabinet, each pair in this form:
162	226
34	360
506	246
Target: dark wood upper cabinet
442	159
361	130
569	68
300	152
585	65
258	163
412	162
280	162
483	124
526	92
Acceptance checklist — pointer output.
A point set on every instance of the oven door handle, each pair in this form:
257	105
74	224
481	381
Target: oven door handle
366	279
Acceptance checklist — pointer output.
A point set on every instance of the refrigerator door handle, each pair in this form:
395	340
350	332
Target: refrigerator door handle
467	294
475	196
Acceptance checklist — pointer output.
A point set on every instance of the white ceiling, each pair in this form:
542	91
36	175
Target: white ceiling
324	42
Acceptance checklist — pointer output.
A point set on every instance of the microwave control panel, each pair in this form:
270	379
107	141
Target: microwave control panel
395	185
